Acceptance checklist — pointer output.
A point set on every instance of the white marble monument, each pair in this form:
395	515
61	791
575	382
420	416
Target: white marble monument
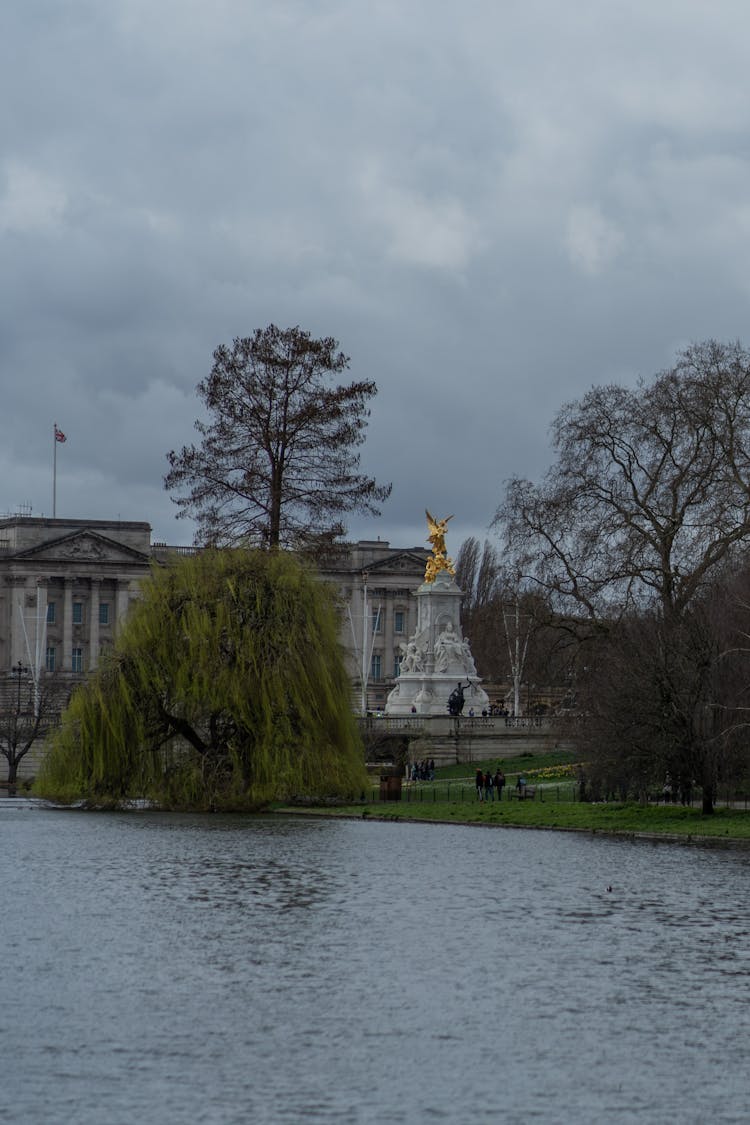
437	658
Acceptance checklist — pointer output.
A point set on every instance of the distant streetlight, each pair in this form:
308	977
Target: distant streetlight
19	671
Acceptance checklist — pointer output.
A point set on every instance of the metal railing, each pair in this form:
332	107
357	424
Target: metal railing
464	792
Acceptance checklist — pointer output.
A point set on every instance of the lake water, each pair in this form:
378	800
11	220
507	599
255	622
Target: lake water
183	969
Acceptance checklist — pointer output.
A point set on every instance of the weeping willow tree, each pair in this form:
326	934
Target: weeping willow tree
226	689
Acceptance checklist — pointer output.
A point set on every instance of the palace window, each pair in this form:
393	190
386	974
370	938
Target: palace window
399	621
78	613
49	662
376	666
50	613
377	621
104	613
77	660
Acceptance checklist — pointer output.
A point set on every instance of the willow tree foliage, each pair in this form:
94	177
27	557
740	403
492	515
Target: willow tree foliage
226	688
278	462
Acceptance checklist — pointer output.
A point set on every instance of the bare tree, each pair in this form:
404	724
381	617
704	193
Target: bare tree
477	569
467	565
518	628
278	463
648	498
673	695
28	713
510	625
650	490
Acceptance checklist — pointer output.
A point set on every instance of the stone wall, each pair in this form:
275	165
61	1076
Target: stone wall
450	740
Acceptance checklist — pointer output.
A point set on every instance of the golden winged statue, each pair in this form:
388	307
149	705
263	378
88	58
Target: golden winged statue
436	536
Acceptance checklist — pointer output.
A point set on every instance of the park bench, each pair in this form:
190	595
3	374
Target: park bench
527	793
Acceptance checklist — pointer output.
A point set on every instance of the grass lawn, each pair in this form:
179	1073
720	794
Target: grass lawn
630	818
519	763
451	799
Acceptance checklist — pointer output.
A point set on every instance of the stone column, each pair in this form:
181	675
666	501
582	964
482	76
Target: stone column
67	652
94	624
388	635
378	639
38	640
122	602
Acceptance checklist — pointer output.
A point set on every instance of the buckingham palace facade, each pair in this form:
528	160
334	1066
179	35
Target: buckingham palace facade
67	585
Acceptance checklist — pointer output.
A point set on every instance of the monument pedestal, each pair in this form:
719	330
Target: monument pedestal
437	658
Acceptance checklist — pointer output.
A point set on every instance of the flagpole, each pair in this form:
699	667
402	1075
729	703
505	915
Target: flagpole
54	470
57	435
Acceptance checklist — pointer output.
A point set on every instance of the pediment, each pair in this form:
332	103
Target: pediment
404	562
83	546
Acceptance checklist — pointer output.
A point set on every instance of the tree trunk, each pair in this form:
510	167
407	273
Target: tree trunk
708	800
274	520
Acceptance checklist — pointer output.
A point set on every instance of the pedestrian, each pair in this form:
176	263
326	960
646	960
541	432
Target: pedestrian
489	793
667	789
479	782
499	783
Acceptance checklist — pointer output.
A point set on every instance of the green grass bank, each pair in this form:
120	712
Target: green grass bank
629	819
554	776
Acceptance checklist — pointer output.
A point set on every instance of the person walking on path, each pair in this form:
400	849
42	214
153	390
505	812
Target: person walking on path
479	782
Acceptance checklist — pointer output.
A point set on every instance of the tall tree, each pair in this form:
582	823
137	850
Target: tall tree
683	705
648	498
650	490
278	463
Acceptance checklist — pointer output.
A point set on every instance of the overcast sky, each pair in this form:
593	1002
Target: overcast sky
492	206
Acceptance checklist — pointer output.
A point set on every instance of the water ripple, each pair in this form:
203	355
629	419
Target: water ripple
230	969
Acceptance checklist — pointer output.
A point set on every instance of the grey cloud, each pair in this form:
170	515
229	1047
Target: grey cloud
491	208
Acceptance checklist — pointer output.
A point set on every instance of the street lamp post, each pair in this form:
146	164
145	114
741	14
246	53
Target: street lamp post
18	672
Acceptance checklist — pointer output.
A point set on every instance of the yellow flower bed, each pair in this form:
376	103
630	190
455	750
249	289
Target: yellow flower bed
550	773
